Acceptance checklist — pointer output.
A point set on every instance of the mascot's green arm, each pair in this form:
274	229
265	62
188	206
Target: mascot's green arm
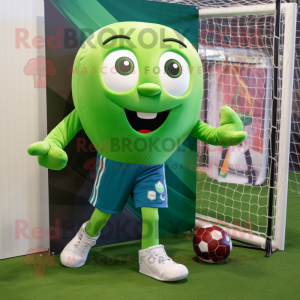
49	152
229	133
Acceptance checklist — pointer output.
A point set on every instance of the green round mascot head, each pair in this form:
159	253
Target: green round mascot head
137	88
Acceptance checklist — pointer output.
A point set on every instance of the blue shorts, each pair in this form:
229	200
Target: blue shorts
115	181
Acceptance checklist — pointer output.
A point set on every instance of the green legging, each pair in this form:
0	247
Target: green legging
149	229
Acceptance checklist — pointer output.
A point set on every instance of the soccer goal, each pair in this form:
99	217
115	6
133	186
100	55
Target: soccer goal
248	53
247	48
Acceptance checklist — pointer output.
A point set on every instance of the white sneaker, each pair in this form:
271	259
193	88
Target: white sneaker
155	262
75	253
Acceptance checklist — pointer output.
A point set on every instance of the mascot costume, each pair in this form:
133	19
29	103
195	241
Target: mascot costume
146	97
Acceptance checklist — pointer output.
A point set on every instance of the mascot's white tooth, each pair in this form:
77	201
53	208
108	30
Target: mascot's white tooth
146	115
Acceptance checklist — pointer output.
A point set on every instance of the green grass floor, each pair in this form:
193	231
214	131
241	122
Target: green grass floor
249	276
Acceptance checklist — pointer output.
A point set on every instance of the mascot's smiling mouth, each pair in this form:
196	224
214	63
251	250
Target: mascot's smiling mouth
146	122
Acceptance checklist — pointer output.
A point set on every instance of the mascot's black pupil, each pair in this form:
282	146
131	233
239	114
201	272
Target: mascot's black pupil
124	66
173	68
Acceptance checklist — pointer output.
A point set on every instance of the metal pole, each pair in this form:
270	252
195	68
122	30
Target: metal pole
275	96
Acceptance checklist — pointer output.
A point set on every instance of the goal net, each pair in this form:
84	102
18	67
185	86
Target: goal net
236	46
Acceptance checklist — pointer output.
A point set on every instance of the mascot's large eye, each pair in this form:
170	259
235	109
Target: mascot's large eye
173	68
124	65
174	73
120	70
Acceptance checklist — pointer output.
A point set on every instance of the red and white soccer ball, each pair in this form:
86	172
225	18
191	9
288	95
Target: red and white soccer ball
212	244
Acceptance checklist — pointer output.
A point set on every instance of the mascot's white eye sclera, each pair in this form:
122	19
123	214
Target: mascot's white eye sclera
120	70
174	73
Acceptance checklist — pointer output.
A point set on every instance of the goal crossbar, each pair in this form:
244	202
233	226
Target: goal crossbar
244	10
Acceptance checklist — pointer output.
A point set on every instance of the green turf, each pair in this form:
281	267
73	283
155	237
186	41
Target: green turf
263	278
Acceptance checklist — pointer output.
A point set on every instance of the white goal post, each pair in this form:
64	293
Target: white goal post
289	11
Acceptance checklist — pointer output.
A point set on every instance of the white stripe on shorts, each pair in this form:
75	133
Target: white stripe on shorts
98	184
165	177
99	169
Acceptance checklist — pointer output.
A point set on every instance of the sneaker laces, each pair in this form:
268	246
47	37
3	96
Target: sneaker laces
83	243
159	251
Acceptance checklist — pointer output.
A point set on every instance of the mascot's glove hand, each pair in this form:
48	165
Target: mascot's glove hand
49	155
230	132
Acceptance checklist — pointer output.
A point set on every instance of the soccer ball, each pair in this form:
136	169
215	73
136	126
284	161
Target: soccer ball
212	244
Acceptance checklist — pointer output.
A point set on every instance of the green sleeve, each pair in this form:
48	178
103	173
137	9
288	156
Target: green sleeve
205	133
65	131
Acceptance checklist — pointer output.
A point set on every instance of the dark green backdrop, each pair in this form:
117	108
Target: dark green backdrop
70	188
